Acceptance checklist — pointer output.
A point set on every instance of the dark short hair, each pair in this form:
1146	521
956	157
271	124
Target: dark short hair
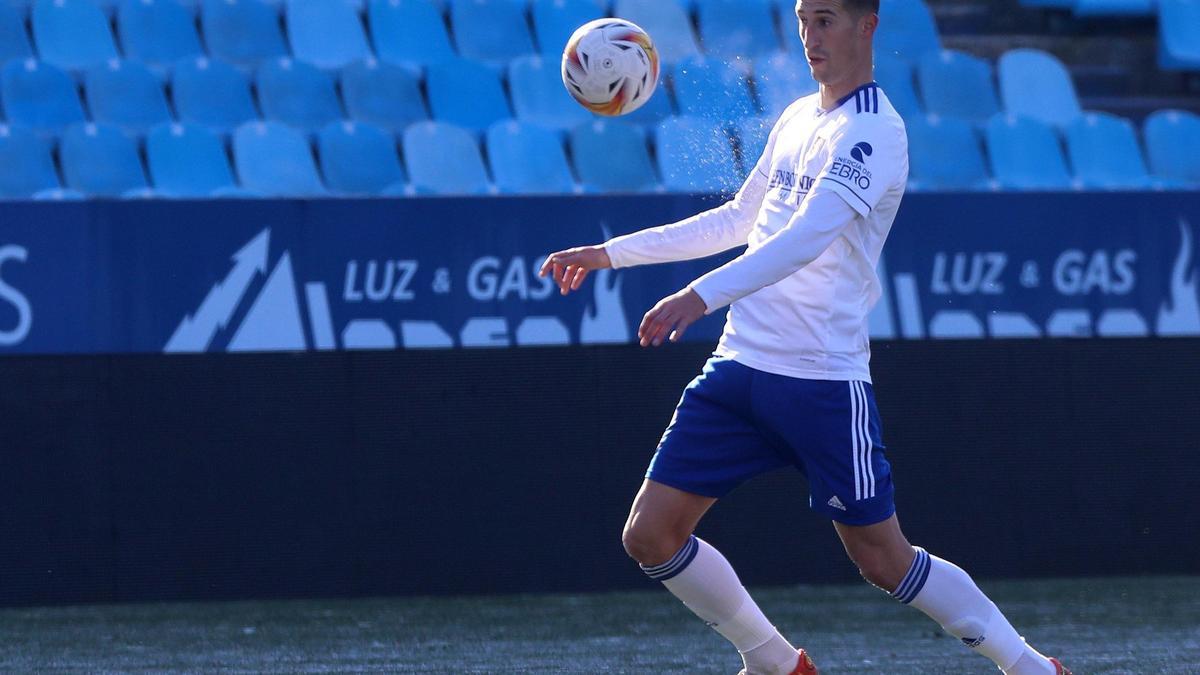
861	7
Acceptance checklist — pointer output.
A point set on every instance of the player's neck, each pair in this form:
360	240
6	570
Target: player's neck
833	92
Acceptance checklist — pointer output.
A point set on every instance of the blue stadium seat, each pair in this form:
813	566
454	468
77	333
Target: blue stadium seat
466	94
28	165
298	94
1025	154
383	94
667	23
737	28
752	140
906	30
242	32
157	32
326	33
444	159
59	195
72	34
100	160
694	155
127	94
409	33
490	31
1104	152
1179	34
539	97
212	93
611	156
554	21
359	159
954	84
187	161
710	88
945	154
528	159
780	80
275	160
1035	84
1114	8
14	41
1173	145
895	76
39	96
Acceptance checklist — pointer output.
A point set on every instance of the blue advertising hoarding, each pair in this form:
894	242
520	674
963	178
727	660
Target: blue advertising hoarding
175	277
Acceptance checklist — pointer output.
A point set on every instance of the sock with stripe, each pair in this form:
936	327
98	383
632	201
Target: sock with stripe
705	581
947	595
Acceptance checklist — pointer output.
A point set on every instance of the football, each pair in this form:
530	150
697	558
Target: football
610	66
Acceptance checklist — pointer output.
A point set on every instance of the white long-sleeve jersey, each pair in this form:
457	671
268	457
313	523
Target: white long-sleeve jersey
814	213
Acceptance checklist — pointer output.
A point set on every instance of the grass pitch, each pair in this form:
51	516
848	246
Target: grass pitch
1098	626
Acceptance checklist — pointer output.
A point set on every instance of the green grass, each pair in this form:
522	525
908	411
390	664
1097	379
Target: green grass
1098	626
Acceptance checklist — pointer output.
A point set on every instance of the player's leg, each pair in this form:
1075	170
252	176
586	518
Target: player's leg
658	535
941	590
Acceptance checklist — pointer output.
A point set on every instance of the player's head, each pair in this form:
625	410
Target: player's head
838	37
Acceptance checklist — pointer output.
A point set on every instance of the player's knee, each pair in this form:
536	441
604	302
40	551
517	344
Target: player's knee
648	547
877	570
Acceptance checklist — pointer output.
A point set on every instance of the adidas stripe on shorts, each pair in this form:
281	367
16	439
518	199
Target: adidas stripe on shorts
734	422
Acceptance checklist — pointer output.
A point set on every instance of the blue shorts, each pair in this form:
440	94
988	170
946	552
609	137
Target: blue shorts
734	422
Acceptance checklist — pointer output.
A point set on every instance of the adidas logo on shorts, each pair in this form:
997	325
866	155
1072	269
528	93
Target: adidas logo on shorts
836	503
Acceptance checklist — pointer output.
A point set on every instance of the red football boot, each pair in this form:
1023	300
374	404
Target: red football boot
803	667
1059	668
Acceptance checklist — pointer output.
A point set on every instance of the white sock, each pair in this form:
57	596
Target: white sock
705	581
948	595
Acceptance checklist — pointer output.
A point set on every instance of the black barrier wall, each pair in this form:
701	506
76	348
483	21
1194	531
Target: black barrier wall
478	471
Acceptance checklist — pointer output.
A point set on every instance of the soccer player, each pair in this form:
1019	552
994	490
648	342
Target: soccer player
789	382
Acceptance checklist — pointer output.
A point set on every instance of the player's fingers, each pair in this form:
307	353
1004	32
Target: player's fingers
661	328
680	327
580	275
547	264
563	280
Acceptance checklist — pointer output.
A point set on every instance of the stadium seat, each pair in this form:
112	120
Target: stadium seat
659	107
212	93
29	167
409	33
242	32
157	32
780	80
667	22
954	84
1173	145
710	88
298	94
466	94
1104	153
358	158
539	97
731	29
39	96
383	94
72	34
1179	34
611	156
945	154
444	159
1025	154
14	41
275	160
528	159
127	94
554	21
187	161
100	160
694	155
895	76
1035	84
1113	8
490	31
326	33
753	133
907	30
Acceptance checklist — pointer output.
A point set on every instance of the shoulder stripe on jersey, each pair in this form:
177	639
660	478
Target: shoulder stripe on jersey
834	180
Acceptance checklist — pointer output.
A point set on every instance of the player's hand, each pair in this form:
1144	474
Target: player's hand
570	267
670	318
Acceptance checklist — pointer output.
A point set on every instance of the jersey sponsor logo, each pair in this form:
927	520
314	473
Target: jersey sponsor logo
861	151
787	181
851	172
244	312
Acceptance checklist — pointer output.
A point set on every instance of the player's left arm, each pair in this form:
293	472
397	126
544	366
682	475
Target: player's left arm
864	160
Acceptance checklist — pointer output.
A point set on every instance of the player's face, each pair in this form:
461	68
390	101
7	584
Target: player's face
836	41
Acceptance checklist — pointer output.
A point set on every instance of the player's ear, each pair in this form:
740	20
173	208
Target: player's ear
867	24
